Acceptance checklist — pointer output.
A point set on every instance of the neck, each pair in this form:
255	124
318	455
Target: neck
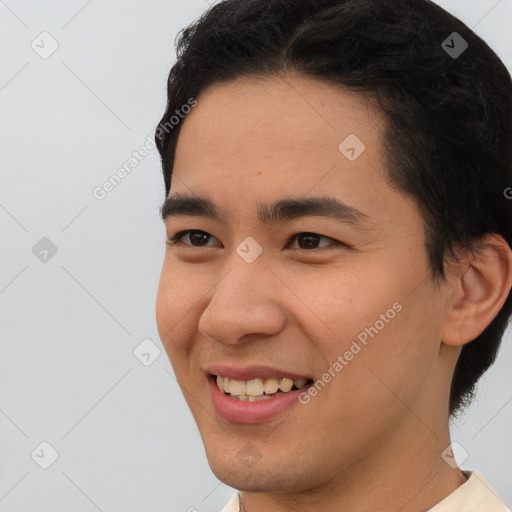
408	474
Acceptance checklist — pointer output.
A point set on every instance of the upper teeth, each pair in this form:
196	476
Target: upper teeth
256	387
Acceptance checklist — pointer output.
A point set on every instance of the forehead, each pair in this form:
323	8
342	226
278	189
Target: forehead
284	114
262	139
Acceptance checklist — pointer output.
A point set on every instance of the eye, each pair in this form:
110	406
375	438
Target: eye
311	240
197	238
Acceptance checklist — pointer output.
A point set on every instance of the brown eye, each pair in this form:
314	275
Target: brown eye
196	238
311	240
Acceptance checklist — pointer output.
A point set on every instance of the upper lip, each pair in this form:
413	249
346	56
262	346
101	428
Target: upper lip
253	372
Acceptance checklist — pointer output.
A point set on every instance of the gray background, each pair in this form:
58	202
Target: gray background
70	323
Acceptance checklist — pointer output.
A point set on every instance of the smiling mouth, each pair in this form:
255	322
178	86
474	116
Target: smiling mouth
255	390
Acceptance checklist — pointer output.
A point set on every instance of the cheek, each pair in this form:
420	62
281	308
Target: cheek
165	305
178	293
378	318
392	355
336	303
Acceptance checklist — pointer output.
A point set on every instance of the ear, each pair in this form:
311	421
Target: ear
479	283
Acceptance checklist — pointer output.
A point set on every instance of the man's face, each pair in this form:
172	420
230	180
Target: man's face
250	298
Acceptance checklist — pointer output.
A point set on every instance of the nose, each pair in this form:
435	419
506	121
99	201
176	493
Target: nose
244	305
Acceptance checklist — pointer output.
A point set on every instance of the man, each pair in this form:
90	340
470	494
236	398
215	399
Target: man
338	269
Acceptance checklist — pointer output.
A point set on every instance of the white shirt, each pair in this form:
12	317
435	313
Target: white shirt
474	495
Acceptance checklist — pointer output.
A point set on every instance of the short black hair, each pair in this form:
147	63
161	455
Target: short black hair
448	139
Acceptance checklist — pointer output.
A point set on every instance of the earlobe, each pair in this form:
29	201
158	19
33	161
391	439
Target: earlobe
479	290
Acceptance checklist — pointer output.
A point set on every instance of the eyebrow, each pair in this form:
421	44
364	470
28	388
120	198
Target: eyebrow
278	211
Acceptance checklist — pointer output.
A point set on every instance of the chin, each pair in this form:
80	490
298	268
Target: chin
269	473
250	480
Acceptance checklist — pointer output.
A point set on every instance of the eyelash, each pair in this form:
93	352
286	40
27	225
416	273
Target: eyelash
175	239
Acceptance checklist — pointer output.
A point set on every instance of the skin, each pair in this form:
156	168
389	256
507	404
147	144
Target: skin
372	438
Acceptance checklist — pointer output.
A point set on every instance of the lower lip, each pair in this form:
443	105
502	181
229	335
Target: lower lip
236	411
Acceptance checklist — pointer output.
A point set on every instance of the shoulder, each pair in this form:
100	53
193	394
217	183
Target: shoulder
475	495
